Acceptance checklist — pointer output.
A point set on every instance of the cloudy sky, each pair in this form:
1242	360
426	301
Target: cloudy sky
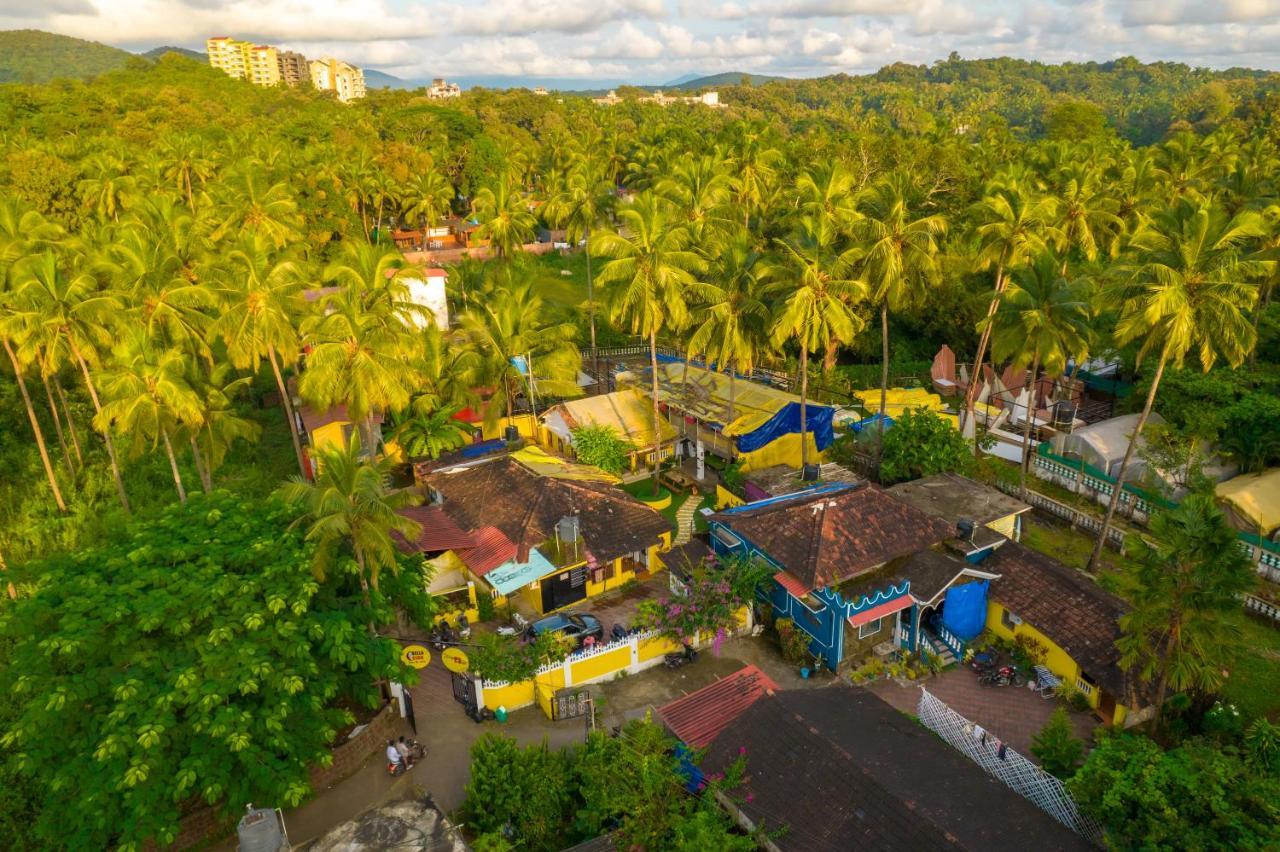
652	41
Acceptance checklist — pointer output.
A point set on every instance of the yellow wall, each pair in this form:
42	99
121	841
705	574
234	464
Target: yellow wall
525	423
1056	660
726	499
511	696
328	435
1006	526
784	450
657	505
601	665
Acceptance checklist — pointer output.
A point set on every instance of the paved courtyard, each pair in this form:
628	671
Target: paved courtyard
1013	714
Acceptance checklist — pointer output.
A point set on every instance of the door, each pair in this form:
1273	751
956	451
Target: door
565	588
1106	706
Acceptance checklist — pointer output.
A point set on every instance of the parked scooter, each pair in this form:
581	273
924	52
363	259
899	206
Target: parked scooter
396	769
984	661
619	631
516	627
679	658
464	627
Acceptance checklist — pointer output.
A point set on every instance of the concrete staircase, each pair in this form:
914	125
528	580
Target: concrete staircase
684	519
940	650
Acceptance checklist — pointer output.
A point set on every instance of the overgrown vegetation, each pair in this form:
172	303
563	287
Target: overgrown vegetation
603	447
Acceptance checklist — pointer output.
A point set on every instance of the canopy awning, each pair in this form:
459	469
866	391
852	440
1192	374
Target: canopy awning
1253	501
880	611
509	576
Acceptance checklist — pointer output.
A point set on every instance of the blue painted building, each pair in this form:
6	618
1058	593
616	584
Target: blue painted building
857	567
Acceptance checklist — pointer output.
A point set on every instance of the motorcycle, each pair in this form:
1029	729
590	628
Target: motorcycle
679	658
619	631
464	627
1003	676
516	627
984	662
396	769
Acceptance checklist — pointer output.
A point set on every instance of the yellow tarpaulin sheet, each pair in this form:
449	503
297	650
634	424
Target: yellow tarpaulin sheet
627	411
898	400
545	464
1253	500
782	450
706	396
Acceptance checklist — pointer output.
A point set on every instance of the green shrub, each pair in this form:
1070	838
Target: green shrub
1057	748
484	606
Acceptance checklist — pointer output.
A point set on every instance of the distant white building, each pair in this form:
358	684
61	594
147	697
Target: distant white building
442	88
428	292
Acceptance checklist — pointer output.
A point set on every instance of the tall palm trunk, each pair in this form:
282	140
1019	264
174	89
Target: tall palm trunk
57	425
1259	309
35	427
657	419
202	467
71	424
884	372
733	368
1124	464
591	310
804	408
106	432
1162	685
972	393
1029	389
288	410
173	465
367	437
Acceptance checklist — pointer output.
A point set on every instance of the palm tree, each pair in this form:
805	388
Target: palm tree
581	203
106	185
425	199
186	164
1187	292
221	423
755	166
512	328
148	397
1042	321
248	208
61	313
261	308
422	434
649	270
818	314
1087	217
825	194
900	261
352	504
1184	588
702	190
1013	226
504	216
731	325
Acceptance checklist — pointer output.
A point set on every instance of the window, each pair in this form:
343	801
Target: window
1009	620
871	628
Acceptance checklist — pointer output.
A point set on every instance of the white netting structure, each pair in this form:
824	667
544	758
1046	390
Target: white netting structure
1020	774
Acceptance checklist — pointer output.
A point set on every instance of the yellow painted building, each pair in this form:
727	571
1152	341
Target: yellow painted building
264	65
342	78
230	56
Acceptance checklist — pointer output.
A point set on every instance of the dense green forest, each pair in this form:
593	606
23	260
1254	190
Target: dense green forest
32	56
160	224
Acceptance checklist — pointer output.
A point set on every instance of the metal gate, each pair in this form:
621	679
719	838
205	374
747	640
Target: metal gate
464	691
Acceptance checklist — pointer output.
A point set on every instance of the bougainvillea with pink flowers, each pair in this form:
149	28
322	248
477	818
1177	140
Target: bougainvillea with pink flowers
709	605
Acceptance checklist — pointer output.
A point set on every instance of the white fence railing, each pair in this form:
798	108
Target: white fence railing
1020	774
1070	514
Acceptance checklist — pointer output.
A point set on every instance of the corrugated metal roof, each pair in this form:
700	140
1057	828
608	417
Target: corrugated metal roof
490	549
699	716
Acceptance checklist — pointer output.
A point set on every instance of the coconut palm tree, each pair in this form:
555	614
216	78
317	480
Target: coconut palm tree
1042	321
900	260
508	332
504	216
107	185
426	199
149	397
731	325
186	164
60	312
1013	226
249	206
755	168
648	272
818	313
580	203
1188	291
1087	217
430	434
825	194
221	423
260	313
701	189
351	506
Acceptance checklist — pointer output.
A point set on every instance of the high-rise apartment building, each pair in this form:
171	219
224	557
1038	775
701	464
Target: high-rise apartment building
229	55
334	75
293	67
264	65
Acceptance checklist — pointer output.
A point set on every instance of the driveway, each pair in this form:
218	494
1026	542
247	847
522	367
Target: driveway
1013	714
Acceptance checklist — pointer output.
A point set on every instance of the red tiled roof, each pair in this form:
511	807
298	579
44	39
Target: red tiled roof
439	532
491	548
699	716
869	615
833	536
313	420
791	584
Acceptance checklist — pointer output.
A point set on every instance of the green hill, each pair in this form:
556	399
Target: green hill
157	52
32	56
728	78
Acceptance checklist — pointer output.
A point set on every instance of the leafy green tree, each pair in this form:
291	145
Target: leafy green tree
921	444
649	271
1187	292
218	683
1074	121
579	205
521	791
425	199
427	435
1184	587
1251	432
504	216
601	446
1056	746
1195	796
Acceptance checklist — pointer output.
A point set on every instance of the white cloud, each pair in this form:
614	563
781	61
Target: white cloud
522	17
1171	12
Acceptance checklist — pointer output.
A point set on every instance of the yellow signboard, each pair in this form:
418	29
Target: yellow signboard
416	656
455	660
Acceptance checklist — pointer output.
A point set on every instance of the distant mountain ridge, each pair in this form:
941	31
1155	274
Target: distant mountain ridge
727	78
33	56
157	52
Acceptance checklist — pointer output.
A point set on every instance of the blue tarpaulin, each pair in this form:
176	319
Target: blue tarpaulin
870	423
964	610
786	422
